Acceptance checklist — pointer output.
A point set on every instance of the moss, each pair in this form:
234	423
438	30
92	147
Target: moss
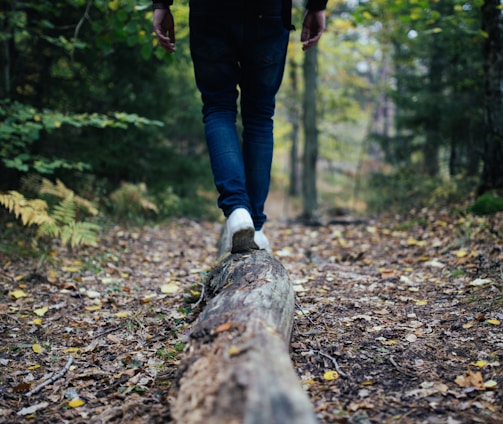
487	204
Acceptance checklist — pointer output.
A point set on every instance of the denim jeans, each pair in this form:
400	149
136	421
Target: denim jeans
238	50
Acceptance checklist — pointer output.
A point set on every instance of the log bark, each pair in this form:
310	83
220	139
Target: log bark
237	367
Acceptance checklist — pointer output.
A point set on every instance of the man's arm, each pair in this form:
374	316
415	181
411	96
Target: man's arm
164	24
314	23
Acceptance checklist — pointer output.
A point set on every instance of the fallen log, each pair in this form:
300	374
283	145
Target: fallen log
237	367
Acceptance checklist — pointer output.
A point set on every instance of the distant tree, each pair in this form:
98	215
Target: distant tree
492	24
310	157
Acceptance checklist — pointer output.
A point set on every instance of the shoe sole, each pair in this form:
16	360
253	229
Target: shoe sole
242	240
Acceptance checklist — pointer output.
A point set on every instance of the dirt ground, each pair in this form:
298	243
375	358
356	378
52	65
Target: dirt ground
398	319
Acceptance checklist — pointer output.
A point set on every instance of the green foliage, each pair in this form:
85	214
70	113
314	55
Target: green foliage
487	204
60	222
404	189
22	125
433	72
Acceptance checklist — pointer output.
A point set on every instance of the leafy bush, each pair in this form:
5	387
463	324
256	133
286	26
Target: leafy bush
487	204
131	201
404	189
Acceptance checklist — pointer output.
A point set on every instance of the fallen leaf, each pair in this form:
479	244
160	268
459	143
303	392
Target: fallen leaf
75	403
331	375
411	338
17	294
170	288
491	384
33	367
234	350
461	253
493	321
91	308
471	379
33	408
37	348
480	282
224	327
37	321
479	364
421	302
41	311
93	294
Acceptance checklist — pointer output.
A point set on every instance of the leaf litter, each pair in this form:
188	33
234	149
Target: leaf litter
397	320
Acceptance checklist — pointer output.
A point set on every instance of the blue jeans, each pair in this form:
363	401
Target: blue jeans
235	44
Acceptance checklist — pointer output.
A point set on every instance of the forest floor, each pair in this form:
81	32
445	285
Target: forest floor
398	320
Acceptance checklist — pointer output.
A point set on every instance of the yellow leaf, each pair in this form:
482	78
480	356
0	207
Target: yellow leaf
41	311
411	241
37	348
234	350
37	321
18	277
93	308
121	314
170	288
33	367
493	321
17	294
421	302
389	342
51	276
71	350
70	269
75	403
461	253
480	364
467	326
331	375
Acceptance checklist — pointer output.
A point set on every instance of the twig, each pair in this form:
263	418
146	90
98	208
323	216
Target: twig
334	361
399	368
79	25
201	296
303	313
52	379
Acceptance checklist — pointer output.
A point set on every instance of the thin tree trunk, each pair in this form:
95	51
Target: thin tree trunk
294	118
309	191
492	24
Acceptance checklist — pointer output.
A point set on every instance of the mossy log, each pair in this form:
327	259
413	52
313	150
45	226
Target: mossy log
237	367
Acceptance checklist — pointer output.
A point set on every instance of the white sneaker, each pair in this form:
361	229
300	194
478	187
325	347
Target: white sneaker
261	241
239	231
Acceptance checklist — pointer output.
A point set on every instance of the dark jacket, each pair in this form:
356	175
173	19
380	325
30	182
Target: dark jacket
287	8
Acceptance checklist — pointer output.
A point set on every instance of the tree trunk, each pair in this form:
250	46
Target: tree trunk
492	24
237	367
309	192
294	118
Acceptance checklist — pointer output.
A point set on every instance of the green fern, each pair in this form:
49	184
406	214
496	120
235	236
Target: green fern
66	228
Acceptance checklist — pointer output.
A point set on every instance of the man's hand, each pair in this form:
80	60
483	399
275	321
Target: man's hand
312	28
164	27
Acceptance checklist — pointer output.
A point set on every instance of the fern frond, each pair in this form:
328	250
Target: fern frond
48	229
84	233
30	211
61	191
64	212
